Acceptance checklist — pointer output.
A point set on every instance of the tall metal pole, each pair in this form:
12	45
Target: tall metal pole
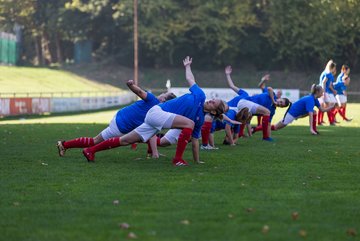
136	67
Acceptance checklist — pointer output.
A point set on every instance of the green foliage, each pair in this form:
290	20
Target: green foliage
303	31
265	33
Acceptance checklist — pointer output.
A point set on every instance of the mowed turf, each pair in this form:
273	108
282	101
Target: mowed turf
35	80
237	192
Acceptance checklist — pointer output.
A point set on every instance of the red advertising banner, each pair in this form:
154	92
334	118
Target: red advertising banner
20	106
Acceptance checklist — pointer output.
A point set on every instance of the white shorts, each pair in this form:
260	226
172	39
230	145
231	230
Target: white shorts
155	120
111	131
321	100
172	136
288	119
249	104
341	99
329	98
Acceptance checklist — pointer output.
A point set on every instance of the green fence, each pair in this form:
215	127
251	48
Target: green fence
8	49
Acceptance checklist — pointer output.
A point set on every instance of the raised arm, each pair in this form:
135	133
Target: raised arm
271	94
136	89
262	83
188	73
228	71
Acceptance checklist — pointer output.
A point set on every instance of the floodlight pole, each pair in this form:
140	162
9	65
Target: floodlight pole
136	65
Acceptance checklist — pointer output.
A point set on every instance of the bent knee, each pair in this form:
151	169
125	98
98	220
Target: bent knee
190	124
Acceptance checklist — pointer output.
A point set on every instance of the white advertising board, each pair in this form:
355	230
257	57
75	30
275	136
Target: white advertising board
227	94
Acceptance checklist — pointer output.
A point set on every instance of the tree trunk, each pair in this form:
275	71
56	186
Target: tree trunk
58	48
45	49
39	59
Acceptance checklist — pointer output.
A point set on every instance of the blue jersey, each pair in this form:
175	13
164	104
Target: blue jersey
340	77
303	106
264	100
220	125
330	79
130	117
340	87
234	101
197	128
189	105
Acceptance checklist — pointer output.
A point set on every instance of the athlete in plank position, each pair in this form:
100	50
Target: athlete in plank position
124	121
304	107
179	113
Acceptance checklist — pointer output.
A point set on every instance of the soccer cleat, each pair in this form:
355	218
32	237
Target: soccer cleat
268	139
89	155
212	147
179	162
61	148
348	119
332	124
202	147
208	147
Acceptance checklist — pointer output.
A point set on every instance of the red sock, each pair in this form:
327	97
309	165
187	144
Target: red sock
335	112
149	150
273	127
241	132
80	142
265	125
205	132
258	128
342	112
259	120
330	116
183	140
320	117
134	146
108	144
314	122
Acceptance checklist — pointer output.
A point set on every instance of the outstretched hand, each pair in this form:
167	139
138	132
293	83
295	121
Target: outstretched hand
266	77
187	61
228	69
130	82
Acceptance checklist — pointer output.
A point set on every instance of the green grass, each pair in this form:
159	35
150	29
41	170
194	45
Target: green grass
45	197
35	80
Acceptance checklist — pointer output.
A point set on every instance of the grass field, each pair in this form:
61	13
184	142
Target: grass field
233	196
35	80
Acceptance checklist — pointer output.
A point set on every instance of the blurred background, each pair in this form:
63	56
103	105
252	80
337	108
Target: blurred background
94	39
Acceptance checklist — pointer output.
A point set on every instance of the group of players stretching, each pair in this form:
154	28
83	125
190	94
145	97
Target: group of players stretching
190	117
